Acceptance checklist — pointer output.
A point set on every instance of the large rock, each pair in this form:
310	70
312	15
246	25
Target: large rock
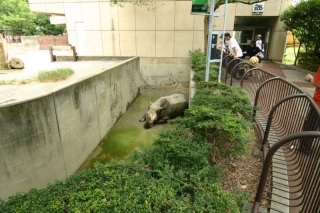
15	63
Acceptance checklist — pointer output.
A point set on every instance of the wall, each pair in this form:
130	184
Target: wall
30	43
165	71
168	31
3	52
277	36
49	137
292	40
46	41
163	30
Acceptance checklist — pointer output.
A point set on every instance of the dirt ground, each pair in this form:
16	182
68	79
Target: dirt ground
244	172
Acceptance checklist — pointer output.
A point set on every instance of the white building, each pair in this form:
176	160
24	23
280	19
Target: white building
162	36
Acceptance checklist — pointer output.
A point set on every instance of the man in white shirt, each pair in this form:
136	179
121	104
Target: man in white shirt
234	47
260	43
235	52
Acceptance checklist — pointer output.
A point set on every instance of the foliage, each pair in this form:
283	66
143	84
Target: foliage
218	3
16	18
222	115
298	20
45	28
175	174
198	64
178	173
55	75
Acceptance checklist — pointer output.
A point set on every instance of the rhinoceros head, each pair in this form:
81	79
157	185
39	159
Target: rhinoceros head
152	114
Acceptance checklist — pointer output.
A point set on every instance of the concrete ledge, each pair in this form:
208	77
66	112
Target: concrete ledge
91	58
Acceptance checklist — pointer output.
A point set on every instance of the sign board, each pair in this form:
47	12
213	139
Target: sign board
214	41
199	6
257	8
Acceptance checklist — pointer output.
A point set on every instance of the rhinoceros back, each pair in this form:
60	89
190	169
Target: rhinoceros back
177	103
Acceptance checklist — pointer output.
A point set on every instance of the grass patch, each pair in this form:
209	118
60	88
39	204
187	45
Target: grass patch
55	75
289	56
16	81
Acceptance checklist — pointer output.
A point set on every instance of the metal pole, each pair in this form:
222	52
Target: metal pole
209	40
224	30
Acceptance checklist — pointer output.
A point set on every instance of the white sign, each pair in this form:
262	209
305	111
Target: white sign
257	8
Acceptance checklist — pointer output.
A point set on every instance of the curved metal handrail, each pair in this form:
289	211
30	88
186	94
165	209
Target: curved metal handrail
313	105
313	185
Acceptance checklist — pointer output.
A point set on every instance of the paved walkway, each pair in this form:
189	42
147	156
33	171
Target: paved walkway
36	61
291	73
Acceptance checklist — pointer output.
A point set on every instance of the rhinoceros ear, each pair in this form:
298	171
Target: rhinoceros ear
160	108
150	101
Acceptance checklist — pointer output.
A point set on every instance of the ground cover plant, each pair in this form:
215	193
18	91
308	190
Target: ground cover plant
179	173
198	65
55	74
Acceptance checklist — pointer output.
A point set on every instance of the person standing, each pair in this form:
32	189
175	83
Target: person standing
260	43
235	53
234	47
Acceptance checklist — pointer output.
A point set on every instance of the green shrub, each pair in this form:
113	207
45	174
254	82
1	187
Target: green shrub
198	64
176	174
55	75
221	114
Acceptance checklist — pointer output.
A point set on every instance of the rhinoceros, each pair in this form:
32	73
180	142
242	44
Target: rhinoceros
164	108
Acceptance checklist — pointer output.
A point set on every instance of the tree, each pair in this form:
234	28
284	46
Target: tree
303	20
45	28
16	18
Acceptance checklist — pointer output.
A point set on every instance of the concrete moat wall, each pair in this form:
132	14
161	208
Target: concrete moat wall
165	71
49	137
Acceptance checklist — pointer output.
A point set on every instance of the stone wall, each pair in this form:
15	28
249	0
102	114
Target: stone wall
49	137
30	43
165	71
46	41
3	52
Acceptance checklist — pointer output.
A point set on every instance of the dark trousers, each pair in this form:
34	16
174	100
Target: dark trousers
236	71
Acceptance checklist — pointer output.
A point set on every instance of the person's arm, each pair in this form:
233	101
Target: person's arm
312	80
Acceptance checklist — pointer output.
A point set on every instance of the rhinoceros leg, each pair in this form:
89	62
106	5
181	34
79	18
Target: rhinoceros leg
144	117
162	121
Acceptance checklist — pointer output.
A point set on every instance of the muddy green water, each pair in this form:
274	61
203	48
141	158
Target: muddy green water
128	133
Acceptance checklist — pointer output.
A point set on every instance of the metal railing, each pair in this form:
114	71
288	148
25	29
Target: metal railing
303	169
294	113
289	123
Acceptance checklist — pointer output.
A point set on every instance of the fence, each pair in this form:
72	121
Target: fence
289	123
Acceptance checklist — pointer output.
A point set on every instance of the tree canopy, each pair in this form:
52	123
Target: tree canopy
16	19
303	20
45	28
